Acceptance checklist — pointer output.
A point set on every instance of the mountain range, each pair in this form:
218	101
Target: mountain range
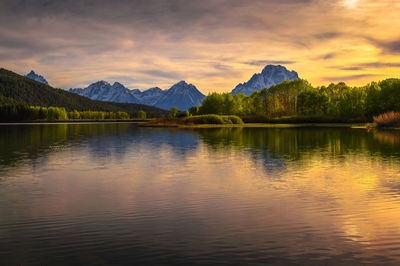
17	89
181	95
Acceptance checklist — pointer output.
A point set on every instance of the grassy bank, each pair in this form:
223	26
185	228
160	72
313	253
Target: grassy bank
195	121
304	120
218	121
276	125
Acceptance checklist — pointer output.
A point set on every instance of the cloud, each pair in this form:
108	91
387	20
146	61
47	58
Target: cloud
363	66
269	62
215	44
161	74
327	35
329	56
352	68
388	47
348	77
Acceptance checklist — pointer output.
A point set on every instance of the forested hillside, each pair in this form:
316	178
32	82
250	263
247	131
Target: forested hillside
16	88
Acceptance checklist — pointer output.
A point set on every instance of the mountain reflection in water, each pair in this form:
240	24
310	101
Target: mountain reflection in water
73	194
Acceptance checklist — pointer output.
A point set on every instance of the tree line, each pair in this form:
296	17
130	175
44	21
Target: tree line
10	112
298	98
16	88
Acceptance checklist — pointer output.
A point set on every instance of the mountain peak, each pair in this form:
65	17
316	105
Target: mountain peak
100	85
182	86
270	75
181	95
273	67
119	85
154	89
32	75
182	82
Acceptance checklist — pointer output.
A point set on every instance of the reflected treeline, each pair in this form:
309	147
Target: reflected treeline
32	143
390	138
297	143
29	142
273	146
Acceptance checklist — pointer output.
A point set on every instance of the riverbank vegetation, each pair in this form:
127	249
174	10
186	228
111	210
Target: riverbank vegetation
13	112
196	120
391	119
299	102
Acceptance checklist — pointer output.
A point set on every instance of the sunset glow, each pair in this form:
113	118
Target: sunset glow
212	44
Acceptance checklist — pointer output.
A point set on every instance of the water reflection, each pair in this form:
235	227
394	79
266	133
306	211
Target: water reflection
275	146
21	144
118	194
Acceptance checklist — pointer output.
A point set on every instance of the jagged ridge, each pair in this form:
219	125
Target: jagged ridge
181	95
270	75
34	76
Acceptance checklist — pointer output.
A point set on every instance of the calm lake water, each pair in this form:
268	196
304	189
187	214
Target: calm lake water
116	194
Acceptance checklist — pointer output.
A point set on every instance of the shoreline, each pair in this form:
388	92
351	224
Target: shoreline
135	121
142	123
262	125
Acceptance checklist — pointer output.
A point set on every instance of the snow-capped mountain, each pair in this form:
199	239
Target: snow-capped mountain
104	91
270	75
34	76
181	95
151	96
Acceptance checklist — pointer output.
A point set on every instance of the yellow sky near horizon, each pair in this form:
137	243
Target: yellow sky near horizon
215	44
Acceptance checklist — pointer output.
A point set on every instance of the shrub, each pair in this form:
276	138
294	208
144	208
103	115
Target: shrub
214	119
173	112
194	110
226	120
235	119
207	119
141	114
183	114
387	119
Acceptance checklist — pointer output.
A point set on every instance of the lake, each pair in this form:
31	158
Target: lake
118	194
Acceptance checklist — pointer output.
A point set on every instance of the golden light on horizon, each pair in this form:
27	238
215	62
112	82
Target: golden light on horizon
351	3
207	43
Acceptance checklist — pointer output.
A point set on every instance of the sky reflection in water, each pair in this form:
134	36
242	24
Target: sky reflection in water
117	194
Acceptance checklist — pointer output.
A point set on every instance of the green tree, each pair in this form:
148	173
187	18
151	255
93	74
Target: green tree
173	111
195	110
141	114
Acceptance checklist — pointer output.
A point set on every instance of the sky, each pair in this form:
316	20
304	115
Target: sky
214	44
